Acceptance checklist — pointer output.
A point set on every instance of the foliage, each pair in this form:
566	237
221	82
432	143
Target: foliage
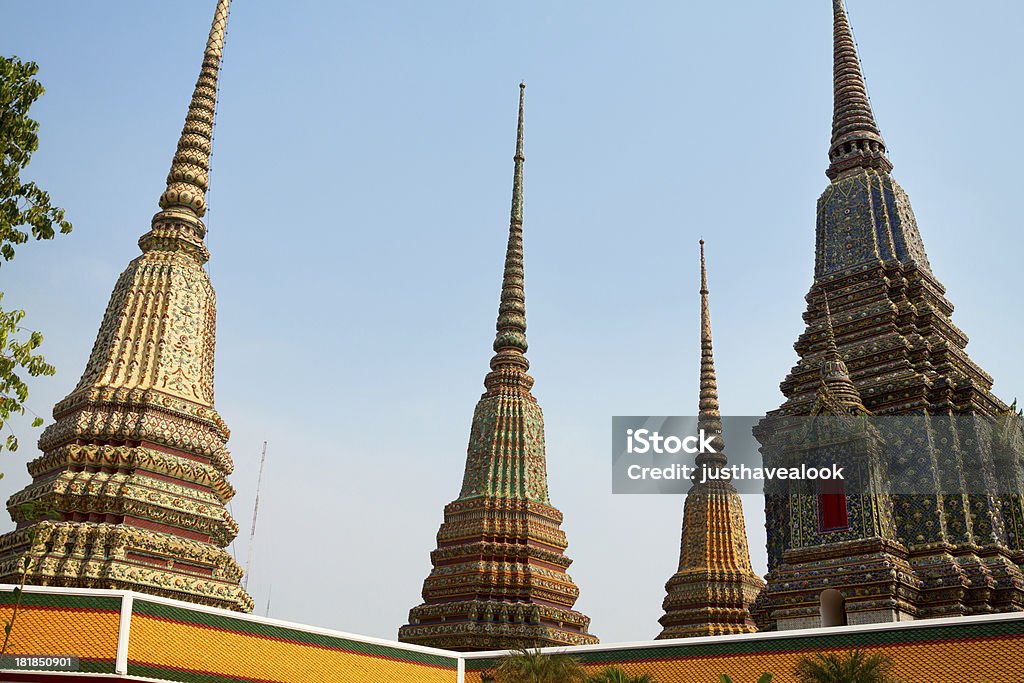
615	674
15	355
855	667
25	211
532	666
21	204
764	678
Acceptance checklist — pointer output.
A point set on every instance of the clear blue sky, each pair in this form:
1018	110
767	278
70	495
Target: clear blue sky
359	207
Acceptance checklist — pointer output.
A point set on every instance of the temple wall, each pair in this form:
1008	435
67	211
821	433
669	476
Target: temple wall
120	635
141	636
988	648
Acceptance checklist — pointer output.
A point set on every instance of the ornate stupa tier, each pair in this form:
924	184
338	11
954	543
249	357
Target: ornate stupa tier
714	586
499	576
499	580
150	374
91	554
506	456
892	320
135	466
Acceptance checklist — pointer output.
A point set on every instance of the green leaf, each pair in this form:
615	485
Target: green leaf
26	212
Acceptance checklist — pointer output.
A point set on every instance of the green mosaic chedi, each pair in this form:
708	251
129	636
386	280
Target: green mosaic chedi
878	317
499	576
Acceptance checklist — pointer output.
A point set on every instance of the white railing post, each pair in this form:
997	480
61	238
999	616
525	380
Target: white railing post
123	633
460	675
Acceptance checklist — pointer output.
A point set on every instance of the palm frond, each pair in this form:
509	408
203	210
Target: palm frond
855	667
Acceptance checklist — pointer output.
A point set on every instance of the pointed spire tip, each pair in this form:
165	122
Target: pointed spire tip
829	330
703	271
188	179
709	416
856	140
510	343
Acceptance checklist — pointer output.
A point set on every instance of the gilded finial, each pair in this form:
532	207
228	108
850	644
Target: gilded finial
510	342
856	140
188	179
709	418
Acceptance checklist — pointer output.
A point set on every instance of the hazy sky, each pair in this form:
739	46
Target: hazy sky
359	209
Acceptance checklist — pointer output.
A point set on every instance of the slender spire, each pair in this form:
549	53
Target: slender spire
856	140
510	342
832	350
188	179
709	418
838	392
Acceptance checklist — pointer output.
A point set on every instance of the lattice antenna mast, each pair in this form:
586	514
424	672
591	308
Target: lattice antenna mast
255	514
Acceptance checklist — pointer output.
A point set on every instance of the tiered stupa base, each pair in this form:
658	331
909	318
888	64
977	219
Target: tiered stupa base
499	581
122	557
876	581
714	587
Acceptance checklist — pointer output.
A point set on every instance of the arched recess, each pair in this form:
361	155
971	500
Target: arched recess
832	606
